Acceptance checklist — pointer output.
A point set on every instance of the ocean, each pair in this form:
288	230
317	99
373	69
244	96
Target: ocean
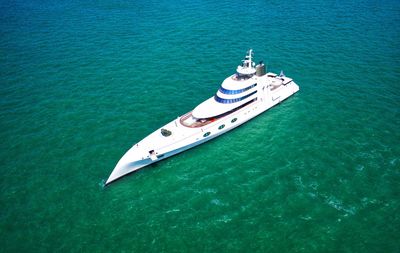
82	81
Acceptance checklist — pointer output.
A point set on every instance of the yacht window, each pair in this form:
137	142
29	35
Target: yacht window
221	127
233	100
231	92
206	134
233	120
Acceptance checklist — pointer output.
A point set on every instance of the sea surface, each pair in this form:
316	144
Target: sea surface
82	81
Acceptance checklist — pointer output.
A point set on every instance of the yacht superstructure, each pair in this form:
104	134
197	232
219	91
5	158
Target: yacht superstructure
242	96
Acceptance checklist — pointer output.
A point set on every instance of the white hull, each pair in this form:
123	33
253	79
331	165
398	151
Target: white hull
156	147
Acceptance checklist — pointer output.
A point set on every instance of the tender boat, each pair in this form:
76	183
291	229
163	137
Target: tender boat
242	96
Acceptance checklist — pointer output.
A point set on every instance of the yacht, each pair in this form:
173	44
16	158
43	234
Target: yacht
241	96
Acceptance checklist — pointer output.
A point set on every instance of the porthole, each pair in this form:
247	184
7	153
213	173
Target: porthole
221	127
206	134
233	120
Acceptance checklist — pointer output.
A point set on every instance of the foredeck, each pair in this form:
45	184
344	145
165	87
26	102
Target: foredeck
188	120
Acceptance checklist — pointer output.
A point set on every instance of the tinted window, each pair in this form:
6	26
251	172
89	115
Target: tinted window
230	92
233	100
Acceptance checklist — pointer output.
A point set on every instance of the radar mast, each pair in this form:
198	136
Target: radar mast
247	67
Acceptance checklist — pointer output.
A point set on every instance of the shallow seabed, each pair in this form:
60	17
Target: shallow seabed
83	81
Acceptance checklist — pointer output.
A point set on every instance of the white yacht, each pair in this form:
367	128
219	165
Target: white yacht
242	96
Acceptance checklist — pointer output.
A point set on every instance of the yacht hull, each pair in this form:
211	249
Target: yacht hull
156	147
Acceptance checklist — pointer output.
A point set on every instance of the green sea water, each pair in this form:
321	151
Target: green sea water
82	81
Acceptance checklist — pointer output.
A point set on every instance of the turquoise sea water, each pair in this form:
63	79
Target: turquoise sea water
81	81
